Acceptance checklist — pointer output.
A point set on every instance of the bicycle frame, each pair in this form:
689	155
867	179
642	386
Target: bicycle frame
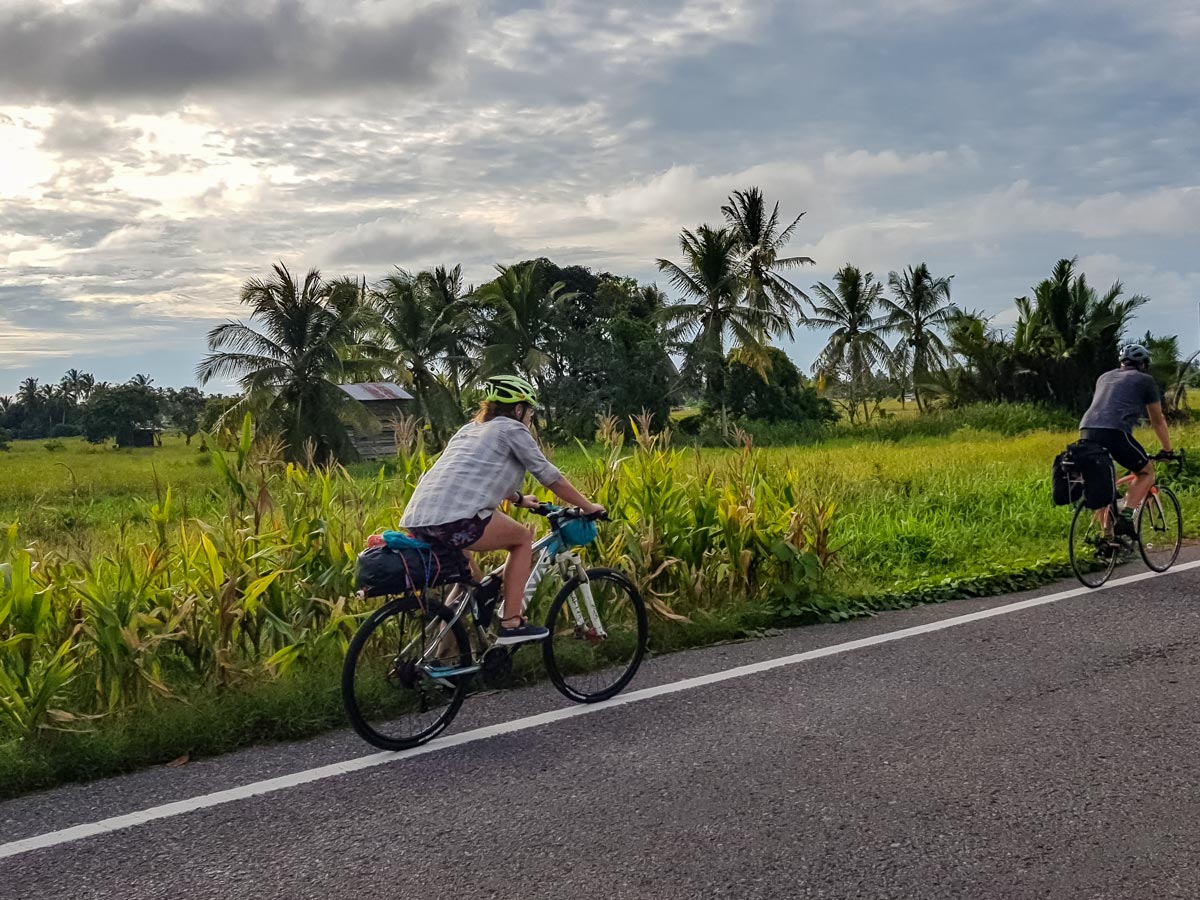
547	552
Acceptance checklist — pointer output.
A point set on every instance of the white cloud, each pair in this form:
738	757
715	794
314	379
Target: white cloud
1020	208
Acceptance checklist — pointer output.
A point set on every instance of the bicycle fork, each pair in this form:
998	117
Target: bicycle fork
596	631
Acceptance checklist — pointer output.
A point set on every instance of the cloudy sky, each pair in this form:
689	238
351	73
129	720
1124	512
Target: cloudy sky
156	153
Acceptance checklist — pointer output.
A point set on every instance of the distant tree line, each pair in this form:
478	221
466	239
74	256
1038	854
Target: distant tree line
79	405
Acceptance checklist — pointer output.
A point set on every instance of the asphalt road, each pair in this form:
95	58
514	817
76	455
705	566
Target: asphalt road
1046	752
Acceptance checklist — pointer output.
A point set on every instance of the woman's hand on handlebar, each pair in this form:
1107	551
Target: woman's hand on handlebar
594	511
528	501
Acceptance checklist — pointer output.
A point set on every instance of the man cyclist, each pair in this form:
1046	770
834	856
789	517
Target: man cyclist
1123	396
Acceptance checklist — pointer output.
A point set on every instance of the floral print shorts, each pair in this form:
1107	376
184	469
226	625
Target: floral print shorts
459	535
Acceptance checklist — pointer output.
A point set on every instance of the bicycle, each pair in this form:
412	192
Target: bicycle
409	665
1096	547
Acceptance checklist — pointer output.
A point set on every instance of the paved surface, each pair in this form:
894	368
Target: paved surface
1051	752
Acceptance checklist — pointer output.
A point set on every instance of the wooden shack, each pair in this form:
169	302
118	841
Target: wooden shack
386	402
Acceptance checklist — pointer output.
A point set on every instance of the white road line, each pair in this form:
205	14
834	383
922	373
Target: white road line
167	810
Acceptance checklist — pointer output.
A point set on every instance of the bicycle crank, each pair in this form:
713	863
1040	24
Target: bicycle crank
496	666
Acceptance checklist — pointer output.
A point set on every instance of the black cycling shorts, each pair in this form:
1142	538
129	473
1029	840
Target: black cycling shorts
1121	446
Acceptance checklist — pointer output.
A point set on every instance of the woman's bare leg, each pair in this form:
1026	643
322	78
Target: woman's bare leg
505	533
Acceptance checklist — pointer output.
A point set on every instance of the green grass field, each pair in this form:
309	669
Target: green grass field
83	492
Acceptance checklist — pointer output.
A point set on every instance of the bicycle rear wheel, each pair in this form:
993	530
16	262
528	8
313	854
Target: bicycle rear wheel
1093	556
1160	530
595	648
398	685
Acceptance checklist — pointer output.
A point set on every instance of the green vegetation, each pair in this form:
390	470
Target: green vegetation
175	633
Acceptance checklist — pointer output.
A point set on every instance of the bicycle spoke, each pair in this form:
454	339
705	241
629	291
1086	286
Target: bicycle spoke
596	643
1160	530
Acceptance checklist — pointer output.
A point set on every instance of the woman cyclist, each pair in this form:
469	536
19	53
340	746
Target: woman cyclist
456	502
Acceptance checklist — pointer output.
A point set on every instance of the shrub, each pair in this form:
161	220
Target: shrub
65	430
1009	419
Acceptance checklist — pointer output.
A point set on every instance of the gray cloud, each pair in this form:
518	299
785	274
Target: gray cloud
74	230
73	133
130	49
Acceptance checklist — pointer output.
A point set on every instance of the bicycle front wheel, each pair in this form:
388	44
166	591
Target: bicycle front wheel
399	684
1160	529
1093	555
597	636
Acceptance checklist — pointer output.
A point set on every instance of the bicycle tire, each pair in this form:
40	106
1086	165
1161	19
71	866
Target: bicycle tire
1147	514
1090	567
360	717
582	674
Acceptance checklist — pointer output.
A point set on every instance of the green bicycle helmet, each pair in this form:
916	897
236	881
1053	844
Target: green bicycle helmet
510	389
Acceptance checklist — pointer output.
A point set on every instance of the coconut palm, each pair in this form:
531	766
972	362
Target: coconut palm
418	330
76	386
921	305
292	364
28	394
444	291
760	242
1067	333
712	282
856	348
520	324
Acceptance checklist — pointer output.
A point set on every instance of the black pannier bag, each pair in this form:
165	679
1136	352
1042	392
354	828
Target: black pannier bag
383	571
1084	471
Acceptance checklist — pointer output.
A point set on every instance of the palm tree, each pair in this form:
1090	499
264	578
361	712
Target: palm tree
520	325
28	395
856	347
76	385
292	365
418	330
444	291
1068	334
141	380
759	241
712	281
6	403
921	304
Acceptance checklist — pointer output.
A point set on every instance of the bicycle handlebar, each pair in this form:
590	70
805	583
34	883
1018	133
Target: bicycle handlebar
1178	457
549	510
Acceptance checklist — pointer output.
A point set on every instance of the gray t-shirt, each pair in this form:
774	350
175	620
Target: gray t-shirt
1121	398
482	464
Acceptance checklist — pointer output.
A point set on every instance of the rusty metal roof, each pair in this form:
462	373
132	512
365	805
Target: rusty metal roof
376	390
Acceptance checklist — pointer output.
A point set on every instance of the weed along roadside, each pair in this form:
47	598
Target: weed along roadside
221	618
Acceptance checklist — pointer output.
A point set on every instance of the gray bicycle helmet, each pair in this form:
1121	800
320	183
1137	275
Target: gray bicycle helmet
1136	354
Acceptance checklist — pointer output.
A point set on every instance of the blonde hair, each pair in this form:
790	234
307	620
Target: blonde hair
493	409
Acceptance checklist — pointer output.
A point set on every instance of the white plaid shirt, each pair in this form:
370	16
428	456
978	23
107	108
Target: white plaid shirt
483	464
